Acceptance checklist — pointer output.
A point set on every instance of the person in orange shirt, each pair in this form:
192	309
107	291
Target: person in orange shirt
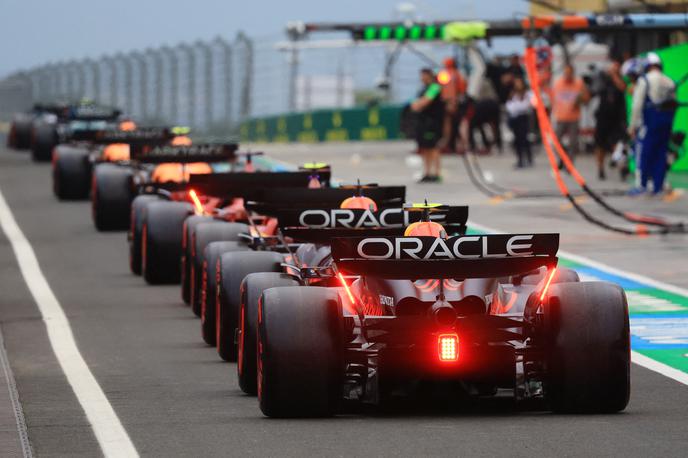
453	90
568	94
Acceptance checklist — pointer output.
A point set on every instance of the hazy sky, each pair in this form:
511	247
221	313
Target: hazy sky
33	32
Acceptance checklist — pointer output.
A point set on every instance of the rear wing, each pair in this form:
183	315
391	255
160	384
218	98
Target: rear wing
235	184
324	224
467	256
91	113
273	201
139	136
103	136
157	154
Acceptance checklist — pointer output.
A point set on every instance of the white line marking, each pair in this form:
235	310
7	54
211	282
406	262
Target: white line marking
112	438
636	357
668	371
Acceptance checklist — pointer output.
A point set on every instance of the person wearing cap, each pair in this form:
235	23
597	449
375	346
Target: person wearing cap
453	90
652	116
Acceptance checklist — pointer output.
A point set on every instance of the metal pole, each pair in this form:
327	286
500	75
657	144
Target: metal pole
207	52
111	65
156	57
80	68
174	82
128	83
95	72
191	83
140	60
247	77
226	51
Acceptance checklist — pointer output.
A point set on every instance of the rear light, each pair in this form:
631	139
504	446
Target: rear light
448	347
197	202
543	294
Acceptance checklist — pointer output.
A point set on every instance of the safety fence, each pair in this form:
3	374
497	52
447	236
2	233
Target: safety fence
215	85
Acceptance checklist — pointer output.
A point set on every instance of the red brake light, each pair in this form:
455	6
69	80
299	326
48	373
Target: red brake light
547	283
448	347
197	202
346	288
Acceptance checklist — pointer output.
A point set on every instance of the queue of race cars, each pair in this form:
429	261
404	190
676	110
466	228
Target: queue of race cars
330	296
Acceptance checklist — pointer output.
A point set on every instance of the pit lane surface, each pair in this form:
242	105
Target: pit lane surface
175	398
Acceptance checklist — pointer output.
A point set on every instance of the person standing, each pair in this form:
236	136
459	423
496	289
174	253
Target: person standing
453	90
430	110
652	117
610	116
518	108
568	94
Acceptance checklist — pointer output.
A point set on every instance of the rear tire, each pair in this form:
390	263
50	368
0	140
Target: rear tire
44	140
20	132
301	364
212	254
213	231
111	196
588	345
233	269
71	173
251	290
135	235
161	247
187	247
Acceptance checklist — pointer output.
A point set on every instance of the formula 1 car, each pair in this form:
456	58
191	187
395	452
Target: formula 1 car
225	266
64	124
477	312
311	232
20	135
152	168
73	161
161	237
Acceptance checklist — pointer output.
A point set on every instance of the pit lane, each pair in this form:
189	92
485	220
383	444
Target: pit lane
175	398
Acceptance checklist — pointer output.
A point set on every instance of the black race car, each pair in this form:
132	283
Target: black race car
74	159
477	312
66	123
300	252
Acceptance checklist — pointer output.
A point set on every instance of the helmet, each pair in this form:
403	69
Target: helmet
181	140
175	173
116	152
359	203
127	125
425	229
653	59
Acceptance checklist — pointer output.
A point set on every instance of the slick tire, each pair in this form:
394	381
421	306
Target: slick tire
44	140
111	196
187	247
587	343
212	253
233	269
300	361
251	291
138	210
161	241
71	173
20	133
213	231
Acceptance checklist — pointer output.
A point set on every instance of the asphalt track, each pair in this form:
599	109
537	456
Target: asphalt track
175	398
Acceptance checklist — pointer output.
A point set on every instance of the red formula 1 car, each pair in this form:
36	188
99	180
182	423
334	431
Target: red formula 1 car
475	313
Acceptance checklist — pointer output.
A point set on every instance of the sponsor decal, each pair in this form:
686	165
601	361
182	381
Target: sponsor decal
464	247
